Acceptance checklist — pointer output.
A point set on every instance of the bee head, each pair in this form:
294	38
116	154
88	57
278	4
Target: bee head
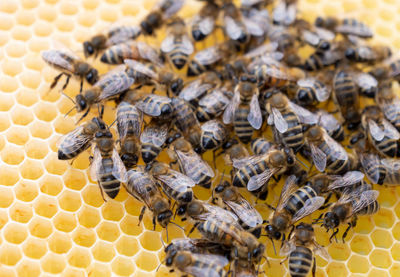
331	220
92	76
164	218
350	53
81	103
170	258
197	35
88	49
303	96
129	160
176	86
273	232
258	252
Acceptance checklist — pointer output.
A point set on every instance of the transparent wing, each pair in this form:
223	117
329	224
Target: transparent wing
239	163
311	37
366	198
232	28
392	110
137	66
217	213
255	116
114	84
187	45
123	34
247	213
215	127
95	166
138	181
325	33
155	135
279	13
194	90
311	205
59	59
366	81
153	110
366	52
305	116
167	45
291	12
208	56
376	132
328	121
389	130
319	157
73	141
287	247
337	150
369	161
148	53
279	122
229	112
127	120
211	259
287	190
173	7
262	49
253	27
119	170
193	160
206	25
257	181
321	251
176	180
350	178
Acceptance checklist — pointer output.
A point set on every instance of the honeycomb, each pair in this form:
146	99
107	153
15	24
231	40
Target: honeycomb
53	220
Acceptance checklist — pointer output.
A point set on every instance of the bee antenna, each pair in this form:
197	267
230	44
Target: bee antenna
273	245
161	263
180	227
112	124
73	108
73	101
162	241
266	259
300	161
166	233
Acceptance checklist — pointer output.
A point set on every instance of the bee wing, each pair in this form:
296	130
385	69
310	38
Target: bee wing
285	14
194	90
257	181
187	45
287	190
365	81
279	122
247	213
214	127
74	140
206	24
58	58
149	53
389	130
208	56
321	251
154	135
188	161
128	120
167	45
173	7
256	22
211	259
253	27
239	163
176	180
305	116
323	92
375	131
311	38
330	57
366	52
114	84
328	121
138	183
232	28
288	247
119	170
217	213
306	82
369	161
153	110
255	116
392	110
325	33
359	29
366	198
137	66
262	49
350	178
197	268
123	34
319	157
338	152
229	112
311	205
96	165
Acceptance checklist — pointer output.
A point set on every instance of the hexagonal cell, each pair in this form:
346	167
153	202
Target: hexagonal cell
45	206
8	175
127	246
123	266
92	196
40	227
26	191
34	248
335	269
395	251
395	269
378	273
21	116
54	166
26	97
3	218
339	251
84	236
31	79
103	251
53	263
108	231
365	225
150	240
361	244
28	268
358	264
130	225
15	233
380	258
382	238
7	83
9	254
20	212
12	155
75	179
36	149
40	129
112	210
100	270
7	104
65	222
384	218
31	169
6	197
17	135
79	257
133	206
51	185
89	217
70	201
59	243
386	198
147	261
21	33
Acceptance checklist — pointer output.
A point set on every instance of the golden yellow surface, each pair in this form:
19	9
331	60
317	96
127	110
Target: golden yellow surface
53	220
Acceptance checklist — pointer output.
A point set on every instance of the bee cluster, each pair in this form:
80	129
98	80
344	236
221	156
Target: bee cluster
251	91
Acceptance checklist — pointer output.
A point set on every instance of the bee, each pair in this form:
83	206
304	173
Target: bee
228	197
322	58
353	202
368	54
256	20
156	106
159	76
380	171
214	103
346	98
244	109
152	140
135	50
70	65
198	246
242	268
175	185
107	167
129	123
203	23
191	163
143	187
208	57
114	36
287	213
389	103
387	71
319	38
367	84
300	250
213	134
311	91
196	264
380	132
349	27
287	119
234	26
331	125
260	146
285	12
162	11
79	139
177	45
233	150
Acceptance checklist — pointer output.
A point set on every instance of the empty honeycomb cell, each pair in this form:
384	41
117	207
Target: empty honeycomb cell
90	4
7	272
128	9
349	6
65	222
151	240
51	185
3	218
112	210
6	197
4	38
89	216
45	111
361	244
8	6
84	237
45	206
130	225
27	268
100	270
386	198
30	79
15	233
17	135
6	22
380	258
123	266
40	129
4	121
34	248
59	243
11	67
20	212
395	251
8	175
74	272
127	246
68	8
147	261
12	155
133	206
384	218
54	165
382	238
108	231
103	251
26	191
15	49
26	97
64	24
25	17
63	125
9	254
37	44
31	169
276	269
378	273
7	104
47	13
339	251
70	201
21	33
36	149
29	4
108	14
79	257
8	84
21	116
40	227
358	264
75	179
335	269
92	195
387	14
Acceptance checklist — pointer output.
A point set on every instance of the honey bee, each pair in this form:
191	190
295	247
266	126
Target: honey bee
143	187
159	76
129	123
198	246
256	20
353	202
152	139
380	171
346	98
203	23
287	119
196	265
387	71
319	38
260	146
287	213
300	250
367	84
135	50
197	88
191	163
389	103
234	26
79	139
228	197
177	44
214	103
244	109
107	167
285	12
113	36
349	27
213	134
162	11
156	106
311	91
70	65
175	185
380	132
322	58
368	54
331	125
242	268
232	150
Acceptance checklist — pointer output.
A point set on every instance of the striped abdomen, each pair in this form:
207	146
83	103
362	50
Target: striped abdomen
377	171
118	53
370	209
153	103
107	181
149	152
65	153
389	176
195	173
333	165
387	146
195	68
241	125
393	115
185	117
337	134
293	137
180	197
260	146
177	55
298	199
244	174
300	261
314	62
129	112
346	95
263	75
214	231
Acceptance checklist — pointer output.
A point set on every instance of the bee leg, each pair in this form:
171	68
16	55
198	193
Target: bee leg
81	87
84	115
141	214
191	230
284	260
334	235
347	230
270	207
154	223
56	79
102	194
314	268
214	158
291	231
277	179
66	82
